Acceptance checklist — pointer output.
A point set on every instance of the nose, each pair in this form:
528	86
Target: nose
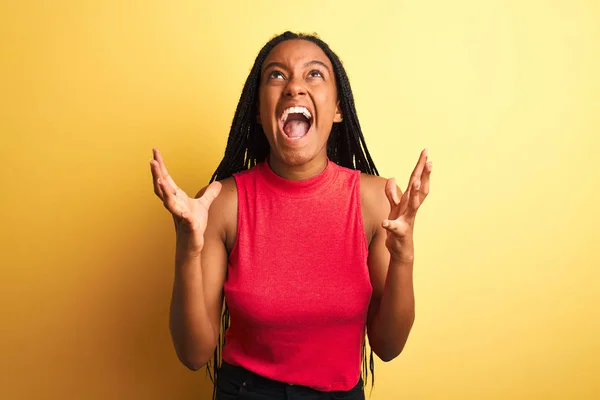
295	87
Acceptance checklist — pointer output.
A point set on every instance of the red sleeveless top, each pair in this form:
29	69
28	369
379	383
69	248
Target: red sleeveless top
297	285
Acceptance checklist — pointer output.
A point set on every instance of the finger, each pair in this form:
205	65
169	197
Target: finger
418	168
414	200
404	201
163	168
394	227
391	192
156	178
170	198
211	193
425	177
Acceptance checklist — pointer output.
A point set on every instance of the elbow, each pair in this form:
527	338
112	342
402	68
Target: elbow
193	357
387	357
390	350
389	354
193	366
389	347
193	363
193	352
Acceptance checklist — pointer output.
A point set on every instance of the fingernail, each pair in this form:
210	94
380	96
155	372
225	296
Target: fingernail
158	181
385	224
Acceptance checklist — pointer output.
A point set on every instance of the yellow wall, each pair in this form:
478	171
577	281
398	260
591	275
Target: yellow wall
506	94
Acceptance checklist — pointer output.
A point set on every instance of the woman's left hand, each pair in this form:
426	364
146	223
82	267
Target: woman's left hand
400	222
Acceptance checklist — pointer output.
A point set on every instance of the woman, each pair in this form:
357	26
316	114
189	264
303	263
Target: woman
307	245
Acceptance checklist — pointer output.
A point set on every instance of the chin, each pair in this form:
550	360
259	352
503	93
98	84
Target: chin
295	157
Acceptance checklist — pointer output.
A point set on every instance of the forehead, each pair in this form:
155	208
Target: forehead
296	51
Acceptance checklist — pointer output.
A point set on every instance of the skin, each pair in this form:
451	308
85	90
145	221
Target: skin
296	72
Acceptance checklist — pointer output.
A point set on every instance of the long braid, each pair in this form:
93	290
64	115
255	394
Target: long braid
247	146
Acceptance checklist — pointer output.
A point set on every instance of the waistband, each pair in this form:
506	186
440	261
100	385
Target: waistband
240	376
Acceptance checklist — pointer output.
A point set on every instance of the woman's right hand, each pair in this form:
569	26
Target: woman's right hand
190	214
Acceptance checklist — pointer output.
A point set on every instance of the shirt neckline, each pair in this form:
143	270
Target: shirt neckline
305	188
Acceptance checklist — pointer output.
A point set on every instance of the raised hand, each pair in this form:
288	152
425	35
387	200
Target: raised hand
190	214
400	222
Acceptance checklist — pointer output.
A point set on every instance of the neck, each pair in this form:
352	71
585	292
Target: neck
299	172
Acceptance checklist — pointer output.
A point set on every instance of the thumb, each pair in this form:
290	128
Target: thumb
392	226
391	192
211	193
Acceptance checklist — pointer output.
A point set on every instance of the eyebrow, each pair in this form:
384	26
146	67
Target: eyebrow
308	64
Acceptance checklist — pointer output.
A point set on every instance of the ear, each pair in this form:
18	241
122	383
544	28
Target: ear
338	117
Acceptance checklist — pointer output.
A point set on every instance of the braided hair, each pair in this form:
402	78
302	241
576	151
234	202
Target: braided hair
247	146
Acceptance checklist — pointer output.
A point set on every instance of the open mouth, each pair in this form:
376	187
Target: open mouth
295	122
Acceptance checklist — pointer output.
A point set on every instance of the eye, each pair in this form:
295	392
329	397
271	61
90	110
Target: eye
315	73
275	75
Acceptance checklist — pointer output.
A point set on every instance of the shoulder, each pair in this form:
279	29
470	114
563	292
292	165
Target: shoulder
372	192
227	195
371	184
223	211
374	202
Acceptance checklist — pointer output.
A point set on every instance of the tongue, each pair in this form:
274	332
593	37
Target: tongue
296	129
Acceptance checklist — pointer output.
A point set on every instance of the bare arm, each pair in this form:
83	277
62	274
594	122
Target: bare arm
391	255
200	266
392	309
197	300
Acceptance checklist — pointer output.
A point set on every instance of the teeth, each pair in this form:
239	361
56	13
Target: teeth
295	110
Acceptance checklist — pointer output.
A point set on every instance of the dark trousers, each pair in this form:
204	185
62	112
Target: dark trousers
235	382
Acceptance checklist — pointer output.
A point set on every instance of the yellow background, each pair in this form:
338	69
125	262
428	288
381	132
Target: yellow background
506	94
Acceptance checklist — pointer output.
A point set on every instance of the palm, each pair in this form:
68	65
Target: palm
197	208
189	214
403	209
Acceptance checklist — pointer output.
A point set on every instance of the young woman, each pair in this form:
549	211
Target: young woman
308	247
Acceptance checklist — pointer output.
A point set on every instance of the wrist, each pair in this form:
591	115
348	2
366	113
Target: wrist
402	259
402	250
188	247
186	252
